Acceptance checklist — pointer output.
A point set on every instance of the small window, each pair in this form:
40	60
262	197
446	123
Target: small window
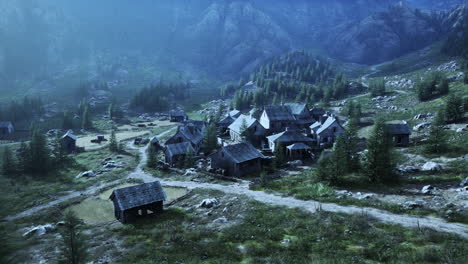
334	130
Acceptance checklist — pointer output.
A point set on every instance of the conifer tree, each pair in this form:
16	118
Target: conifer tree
152	156
9	165
379	158
24	157
113	144
73	250
465	78
437	140
210	141
39	157
86	118
453	108
280	157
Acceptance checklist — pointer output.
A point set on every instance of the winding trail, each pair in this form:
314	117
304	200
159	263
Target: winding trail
290	202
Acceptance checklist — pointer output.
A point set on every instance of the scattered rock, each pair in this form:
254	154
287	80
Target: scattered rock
431	166
295	163
421	126
428	189
87	174
461	130
39	230
209	203
464	183
221	220
190	172
410	205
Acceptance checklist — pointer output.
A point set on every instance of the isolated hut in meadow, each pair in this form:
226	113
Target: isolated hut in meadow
68	142
177	116
133	202
237	160
6	128
399	131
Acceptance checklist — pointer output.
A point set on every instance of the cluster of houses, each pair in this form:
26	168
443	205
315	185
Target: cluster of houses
299	131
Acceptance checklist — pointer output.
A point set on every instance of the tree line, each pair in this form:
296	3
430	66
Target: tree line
25	110
157	97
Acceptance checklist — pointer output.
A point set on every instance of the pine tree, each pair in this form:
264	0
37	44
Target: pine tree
152	161
60	159
351	142
211	140
67	122
453	108
113	144
9	165
465	78
86	118
24	157
280	157
437	140
39	157
379	158
73	250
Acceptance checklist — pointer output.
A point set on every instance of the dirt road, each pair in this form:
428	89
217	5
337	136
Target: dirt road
310	206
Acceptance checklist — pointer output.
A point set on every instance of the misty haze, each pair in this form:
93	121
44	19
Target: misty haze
233	131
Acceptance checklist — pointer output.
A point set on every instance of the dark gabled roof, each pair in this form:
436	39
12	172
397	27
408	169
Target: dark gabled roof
70	135
330	121
5	124
139	195
191	133
227	121
296	108
177	113
279	113
237	125
179	148
397	127
289	136
242	152
317	111
298	146
234	113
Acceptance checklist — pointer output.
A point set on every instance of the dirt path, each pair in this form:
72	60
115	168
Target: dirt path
138	173
310	206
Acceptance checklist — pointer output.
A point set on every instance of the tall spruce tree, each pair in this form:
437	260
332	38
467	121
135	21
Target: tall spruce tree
453	108
437	140
87	123
379	164
210	142
152	161
9	164
113	144
39	157
73	250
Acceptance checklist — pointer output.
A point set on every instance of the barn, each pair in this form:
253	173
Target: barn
133	202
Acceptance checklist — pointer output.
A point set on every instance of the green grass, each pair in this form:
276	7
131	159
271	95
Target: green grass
278	235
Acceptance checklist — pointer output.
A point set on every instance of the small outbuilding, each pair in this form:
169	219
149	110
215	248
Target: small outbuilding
175	153
399	131
238	160
177	116
299	151
133	202
6	128
68	142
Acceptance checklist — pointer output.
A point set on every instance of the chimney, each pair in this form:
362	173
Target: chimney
287	129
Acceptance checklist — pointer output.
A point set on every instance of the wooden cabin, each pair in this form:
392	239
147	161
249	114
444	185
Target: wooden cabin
276	118
68	142
399	131
177	116
133	202
175	153
237	160
287	138
255	131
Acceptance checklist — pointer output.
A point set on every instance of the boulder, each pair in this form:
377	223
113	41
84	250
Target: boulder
428	189
431	166
295	163
421	126
410	205
461	130
209	203
87	174
464	183
39	230
221	220
190	172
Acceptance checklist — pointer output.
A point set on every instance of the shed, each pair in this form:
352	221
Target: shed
68	141
177	152
136	201
399	131
177	116
237	160
6	128
189	132
298	151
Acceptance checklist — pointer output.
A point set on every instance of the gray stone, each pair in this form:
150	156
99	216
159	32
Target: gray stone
221	220
431	166
87	174
209	203
464	183
428	189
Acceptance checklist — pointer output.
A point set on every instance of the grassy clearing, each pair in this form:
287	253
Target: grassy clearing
278	235
97	210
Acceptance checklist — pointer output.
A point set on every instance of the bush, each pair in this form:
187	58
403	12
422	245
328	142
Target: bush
436	84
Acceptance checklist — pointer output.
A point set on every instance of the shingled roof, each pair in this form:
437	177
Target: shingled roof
397	127
298	146
237	125
70	135
279	113
289	136
139	195
227	121
242	152
330	120
191	133
296	108
179	148
234	113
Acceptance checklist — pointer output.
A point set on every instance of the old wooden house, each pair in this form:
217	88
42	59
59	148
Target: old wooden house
6	128
317	113
189	132
68	142
326	132
298	151
254	131
237	160
175	153
399	131
224	124
133	202
177	116
302	114
276	118
287	138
